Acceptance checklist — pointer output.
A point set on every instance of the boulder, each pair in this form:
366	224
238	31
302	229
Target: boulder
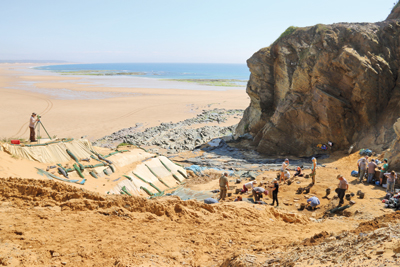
326	82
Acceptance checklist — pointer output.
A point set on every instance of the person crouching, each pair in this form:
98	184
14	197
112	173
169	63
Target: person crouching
248	186
258	192
313	202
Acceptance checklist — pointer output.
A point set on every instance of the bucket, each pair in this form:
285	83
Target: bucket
15	142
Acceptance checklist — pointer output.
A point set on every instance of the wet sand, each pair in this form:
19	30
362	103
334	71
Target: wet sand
75	106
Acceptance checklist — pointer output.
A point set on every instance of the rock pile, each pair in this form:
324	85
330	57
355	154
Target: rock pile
377	247
176	137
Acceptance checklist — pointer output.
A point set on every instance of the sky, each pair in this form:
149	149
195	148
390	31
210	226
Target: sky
170	31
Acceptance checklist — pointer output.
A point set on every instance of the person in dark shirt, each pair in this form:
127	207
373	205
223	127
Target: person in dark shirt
275	191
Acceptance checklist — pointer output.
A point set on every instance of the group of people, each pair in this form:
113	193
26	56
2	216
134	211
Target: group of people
286	175
257	192
365	167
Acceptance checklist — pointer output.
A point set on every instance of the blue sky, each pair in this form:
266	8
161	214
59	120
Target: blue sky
204	31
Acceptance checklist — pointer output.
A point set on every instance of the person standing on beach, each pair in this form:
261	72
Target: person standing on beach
371	171
285	165
223	186
363	167
32	124
342	187
384	169
275	193
313	169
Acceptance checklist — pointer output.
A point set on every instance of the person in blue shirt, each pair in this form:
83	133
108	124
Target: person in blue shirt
314	202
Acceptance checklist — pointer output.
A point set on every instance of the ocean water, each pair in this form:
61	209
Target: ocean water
183	71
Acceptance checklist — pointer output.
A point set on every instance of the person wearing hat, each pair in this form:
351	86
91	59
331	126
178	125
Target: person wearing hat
384	169
223	186
275	193
249	185
313	169
342	187
32	124
285	165
258	192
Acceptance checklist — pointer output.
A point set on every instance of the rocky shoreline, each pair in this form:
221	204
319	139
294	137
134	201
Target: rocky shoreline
176	137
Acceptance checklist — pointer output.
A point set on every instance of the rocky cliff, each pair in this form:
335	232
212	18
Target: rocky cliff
324	83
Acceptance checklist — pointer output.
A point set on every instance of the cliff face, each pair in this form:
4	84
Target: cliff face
324	83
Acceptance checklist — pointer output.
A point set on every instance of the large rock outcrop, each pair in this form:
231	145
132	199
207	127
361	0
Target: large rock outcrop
324	83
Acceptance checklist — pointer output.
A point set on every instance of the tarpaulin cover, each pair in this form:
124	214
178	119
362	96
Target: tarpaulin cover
156	166
130	187
173	167
146	174
133	186
160	171
52	153
126	158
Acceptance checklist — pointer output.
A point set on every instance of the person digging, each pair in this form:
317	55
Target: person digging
313	202
248	186
258	193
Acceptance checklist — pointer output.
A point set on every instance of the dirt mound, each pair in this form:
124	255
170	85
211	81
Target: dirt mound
241	260
316	239
378	222
53	223
50	193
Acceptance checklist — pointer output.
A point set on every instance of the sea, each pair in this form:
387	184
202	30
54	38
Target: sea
183	71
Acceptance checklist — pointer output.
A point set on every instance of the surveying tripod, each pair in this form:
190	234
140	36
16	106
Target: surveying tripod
38	124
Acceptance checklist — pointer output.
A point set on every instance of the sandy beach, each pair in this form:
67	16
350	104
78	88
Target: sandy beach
75	106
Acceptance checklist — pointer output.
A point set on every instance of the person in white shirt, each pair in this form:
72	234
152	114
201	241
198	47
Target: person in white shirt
285	165
248	186
32	123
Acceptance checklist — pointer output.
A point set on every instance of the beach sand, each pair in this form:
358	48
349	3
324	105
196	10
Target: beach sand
75	106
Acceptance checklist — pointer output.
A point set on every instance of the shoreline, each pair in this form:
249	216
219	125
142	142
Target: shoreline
121	105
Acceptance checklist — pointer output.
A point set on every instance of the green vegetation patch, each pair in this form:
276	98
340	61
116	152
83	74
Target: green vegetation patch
214	82
124	144
100	73
287	32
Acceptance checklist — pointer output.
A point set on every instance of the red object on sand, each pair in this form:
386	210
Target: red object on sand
15	142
